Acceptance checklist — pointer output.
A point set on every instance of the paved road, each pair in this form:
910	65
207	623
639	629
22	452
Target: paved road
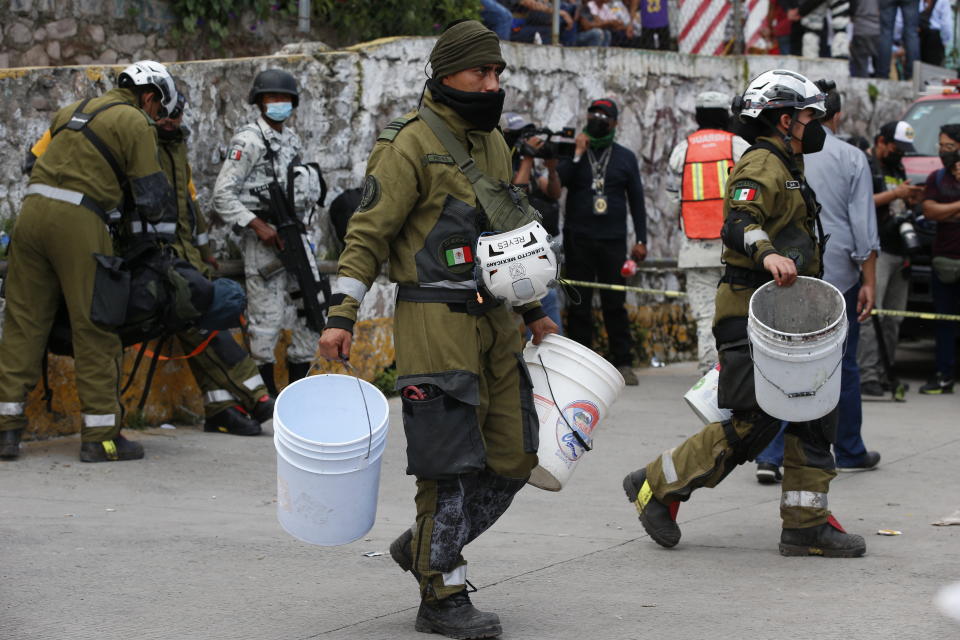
185	544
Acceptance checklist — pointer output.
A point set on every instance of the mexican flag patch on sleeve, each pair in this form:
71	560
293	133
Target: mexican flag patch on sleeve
459	255
745	191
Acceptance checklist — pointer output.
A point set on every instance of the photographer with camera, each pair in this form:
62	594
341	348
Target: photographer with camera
893	196
540	180
602	179
941	203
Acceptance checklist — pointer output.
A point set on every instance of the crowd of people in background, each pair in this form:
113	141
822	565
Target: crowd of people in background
880	38
584	23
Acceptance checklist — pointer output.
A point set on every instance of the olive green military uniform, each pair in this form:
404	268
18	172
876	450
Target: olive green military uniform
224	371
469	441
52	255
764	213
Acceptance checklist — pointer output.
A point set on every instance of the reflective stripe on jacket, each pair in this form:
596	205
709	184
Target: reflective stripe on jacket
705	169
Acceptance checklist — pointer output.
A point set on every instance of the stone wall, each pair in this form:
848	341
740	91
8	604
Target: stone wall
349	95
37	33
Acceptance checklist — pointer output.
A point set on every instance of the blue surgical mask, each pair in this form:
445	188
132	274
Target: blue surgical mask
279	111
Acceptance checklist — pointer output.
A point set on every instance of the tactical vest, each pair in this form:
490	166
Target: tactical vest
706	167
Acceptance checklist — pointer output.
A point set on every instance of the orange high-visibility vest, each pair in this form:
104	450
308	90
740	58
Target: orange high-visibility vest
705	169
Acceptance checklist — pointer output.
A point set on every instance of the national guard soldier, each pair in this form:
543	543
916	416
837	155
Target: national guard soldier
770	231
235	397
98	159
467	405
699	167
260	153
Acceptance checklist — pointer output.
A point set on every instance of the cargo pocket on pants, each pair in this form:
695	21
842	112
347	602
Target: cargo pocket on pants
735	388
111	292
528	409
440	422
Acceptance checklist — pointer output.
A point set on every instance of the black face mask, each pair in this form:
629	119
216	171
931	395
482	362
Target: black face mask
597	127
480	108
163	134
949	158
813	137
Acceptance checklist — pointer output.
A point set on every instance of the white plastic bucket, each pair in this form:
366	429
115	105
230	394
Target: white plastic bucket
797	335
328	457
703	398
570	377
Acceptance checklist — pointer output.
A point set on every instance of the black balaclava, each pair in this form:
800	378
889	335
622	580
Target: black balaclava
482	109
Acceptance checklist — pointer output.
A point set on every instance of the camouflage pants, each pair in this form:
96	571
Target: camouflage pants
702	298
270	309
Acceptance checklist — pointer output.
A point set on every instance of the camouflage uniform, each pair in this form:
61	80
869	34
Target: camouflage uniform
246	172
224	371
473	445
766	206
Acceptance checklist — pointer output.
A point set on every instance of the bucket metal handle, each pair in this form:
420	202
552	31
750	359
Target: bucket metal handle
576	434
800	394
349	367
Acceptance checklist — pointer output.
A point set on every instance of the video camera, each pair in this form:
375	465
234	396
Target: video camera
556	144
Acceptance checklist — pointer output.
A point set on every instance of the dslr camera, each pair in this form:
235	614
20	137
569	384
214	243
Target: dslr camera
556	144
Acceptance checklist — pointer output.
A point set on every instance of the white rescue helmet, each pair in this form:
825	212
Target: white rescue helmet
150	73
779	89
518	266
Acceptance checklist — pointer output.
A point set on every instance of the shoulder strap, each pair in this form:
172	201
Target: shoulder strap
78	122
391	130
940	175
452	145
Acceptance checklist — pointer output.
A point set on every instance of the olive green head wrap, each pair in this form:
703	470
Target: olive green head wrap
465	45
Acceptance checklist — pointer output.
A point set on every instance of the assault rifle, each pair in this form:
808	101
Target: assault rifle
313	297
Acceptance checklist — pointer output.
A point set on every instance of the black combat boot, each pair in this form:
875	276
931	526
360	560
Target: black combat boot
297	371
828	540
456	617
266	372
111	450
232	420
656	517
402	554
10	444
263	411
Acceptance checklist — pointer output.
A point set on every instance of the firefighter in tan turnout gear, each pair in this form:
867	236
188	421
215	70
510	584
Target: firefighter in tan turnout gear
96	164
770	231
467	406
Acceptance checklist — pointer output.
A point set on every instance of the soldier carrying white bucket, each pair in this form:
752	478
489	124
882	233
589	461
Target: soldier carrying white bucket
770	232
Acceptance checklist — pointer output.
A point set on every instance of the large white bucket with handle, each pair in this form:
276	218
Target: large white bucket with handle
329	445
573	389
797	335
703	398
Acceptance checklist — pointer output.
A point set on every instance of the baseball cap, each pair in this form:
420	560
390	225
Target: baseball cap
712	100
511	121
901	133
606	105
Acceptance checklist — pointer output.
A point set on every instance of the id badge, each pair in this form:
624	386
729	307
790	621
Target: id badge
599	205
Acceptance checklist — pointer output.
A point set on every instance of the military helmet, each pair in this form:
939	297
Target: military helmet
779	89
712	100
274	81
149	73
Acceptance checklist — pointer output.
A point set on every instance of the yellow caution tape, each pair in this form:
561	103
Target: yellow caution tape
923	315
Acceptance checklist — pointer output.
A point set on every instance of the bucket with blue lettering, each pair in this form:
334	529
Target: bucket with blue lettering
329	432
